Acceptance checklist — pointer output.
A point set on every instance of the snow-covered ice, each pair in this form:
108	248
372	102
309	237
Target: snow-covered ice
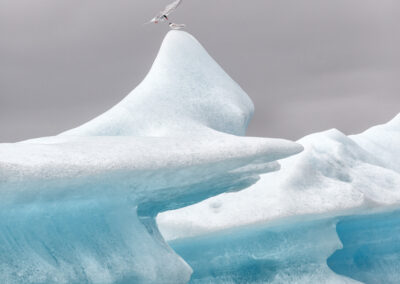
80	207
335	172
317	220
185	93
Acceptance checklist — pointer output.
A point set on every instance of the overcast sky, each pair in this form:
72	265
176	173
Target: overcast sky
308	65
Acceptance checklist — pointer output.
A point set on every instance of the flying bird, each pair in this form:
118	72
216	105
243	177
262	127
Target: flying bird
163	15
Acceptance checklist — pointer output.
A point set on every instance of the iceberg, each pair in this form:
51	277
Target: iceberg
80	207
302	249
330	215
334	173
165	188
280	253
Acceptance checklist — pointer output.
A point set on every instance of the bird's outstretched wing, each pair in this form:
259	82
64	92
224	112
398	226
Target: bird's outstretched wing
161	16
171	7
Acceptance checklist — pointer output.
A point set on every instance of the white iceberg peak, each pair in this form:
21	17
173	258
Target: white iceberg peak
186	91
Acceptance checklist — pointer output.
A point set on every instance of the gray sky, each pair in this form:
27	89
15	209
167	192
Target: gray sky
308	65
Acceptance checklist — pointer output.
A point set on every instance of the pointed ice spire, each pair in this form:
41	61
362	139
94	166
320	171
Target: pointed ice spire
186	91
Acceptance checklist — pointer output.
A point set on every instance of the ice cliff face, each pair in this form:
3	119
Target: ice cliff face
80	207
335	172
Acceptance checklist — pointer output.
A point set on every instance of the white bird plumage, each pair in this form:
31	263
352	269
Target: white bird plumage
163	15
177	26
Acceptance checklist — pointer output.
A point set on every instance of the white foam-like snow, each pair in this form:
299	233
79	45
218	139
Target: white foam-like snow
333	173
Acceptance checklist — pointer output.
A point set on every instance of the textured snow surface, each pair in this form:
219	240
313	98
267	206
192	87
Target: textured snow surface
184	93
335	172
80	207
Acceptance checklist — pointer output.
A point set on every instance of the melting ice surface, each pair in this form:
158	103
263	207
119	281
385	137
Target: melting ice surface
303	250
80	207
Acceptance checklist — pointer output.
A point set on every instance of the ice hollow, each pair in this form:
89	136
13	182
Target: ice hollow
80	207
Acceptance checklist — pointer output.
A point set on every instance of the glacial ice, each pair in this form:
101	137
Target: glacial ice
330	215
293	251
371	247
80	207
335	172
303	249
185	93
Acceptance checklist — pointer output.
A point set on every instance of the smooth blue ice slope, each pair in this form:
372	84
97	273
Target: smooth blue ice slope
80	207
312	249
293	251
371	247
